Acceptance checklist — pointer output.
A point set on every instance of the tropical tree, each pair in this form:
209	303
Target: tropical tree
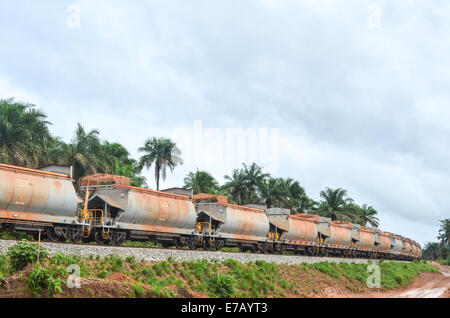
24	134
85	153
307	205
253	179
444	232
130	171
162	153
335	205
123	164
431	251
366	214
200	182
237	186
274	193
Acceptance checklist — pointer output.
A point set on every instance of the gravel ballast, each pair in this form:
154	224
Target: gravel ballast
161	254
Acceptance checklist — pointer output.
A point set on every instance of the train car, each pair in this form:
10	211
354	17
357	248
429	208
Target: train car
298	233
407	251
34	200
122	211
222	224
383	244
363	241
419	251
396	246
335	237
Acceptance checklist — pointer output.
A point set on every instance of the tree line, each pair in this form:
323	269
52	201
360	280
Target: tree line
26	140
440	249
249	185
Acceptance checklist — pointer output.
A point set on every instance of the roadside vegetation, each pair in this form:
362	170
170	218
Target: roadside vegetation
439	251
130	277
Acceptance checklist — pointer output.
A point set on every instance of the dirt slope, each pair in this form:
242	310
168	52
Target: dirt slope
426	285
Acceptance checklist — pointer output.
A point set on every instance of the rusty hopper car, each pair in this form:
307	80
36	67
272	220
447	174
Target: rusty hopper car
33	200
230	225
396	244
335	236
363	240
383	243
296	232
406	247
142	214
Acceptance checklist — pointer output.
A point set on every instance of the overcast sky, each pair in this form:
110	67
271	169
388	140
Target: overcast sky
351	94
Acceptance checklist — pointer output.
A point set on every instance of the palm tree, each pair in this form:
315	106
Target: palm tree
237	186
200	182
24	134
254	177
163	153
431	251
444	232
85	153
274	192
367	214
335	205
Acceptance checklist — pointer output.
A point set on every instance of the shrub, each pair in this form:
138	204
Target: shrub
222	285
15	236
103	274
139	291
45	278
57	259
3	264
24	253
130	259
116	263
147	272
327	268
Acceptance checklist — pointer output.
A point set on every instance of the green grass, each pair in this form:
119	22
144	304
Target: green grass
445	261
142	244
214	278
393	274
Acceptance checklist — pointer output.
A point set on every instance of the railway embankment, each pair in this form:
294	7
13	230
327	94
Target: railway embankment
105	274
162	254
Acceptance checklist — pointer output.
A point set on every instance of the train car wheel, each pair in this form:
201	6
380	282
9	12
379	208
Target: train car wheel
218	244
51	235
176	242
207	243
76	236
192	243
120	238
99	238
262	248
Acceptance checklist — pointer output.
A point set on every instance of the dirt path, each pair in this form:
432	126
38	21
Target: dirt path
426	285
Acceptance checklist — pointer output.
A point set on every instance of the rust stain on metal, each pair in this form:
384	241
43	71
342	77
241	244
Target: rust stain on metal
166	194
5	166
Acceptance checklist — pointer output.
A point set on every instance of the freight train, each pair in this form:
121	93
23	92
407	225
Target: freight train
36	201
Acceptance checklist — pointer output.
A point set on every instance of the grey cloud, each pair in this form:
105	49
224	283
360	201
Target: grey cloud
364	109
